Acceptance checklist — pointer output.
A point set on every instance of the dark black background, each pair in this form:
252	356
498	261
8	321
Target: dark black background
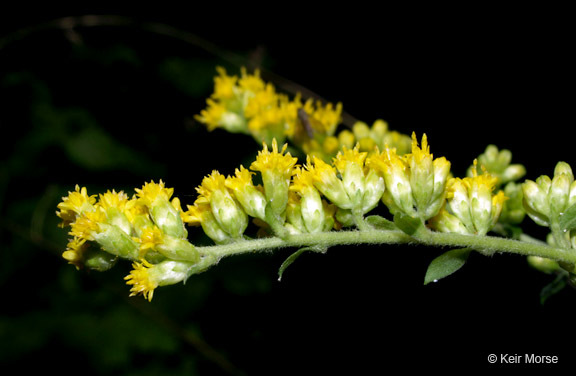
466	77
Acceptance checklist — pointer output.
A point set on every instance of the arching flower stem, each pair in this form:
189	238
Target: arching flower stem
484	244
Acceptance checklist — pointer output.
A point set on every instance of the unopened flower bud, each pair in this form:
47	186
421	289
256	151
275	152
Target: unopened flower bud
497	163
326	181
225	209
513	211
310	204
157	198
249	196
374	188
546	200
116	242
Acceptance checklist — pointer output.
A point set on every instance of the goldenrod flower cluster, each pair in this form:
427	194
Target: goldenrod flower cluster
548	200
146	228
292	199
342	178
248	105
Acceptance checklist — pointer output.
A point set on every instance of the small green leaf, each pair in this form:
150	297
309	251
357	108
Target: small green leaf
410	225
553	288
568	219
446	264
294	256
381	223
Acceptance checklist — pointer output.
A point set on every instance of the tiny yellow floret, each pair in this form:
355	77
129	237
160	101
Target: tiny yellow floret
150	237
224	85
113	199
74	204
140	280
75	251
274	160
151	191
88	224
211	183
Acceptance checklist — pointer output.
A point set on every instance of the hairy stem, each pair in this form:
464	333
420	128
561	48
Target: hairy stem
437	239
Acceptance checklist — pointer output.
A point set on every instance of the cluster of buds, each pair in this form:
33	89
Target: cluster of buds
550	202
498	164
377	136
504	176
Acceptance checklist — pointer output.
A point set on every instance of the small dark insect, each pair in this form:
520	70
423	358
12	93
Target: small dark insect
303	116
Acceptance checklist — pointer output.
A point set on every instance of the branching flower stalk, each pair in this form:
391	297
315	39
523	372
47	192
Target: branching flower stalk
323	202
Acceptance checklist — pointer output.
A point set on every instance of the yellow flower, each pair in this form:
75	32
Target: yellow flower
152	191
348	157
113	199
200	214
276	169
350	164
213	115
75	250
428	177
363	186
195	213
252	106
224	85
150	238
116	204
310	206
251	82
225	209
146	277
261	101
210	184
140	280
471	206
235	101
165	215
87	225
398	194
270	115
74	204
326	181
138	216
289	110
415	182
302	182
323	119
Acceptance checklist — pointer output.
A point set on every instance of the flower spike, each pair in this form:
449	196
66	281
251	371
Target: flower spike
345	176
